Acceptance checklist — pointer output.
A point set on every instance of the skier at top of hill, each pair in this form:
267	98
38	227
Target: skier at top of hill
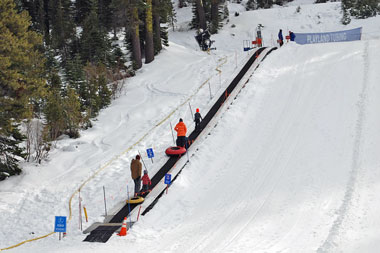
292	36
280	38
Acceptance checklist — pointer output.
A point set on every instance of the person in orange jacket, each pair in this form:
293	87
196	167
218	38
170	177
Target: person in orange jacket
181	130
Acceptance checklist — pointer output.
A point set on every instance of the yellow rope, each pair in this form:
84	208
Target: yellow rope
118	156
30	240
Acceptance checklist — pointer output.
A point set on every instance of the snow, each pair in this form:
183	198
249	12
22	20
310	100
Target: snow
291	166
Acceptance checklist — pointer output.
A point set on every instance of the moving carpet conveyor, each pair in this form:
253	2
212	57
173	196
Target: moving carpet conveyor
104	231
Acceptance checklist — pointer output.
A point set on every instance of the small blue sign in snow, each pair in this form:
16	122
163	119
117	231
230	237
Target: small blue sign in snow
60	224
150	153
168	178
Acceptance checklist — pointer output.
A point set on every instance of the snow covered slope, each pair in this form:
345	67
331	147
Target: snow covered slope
292	166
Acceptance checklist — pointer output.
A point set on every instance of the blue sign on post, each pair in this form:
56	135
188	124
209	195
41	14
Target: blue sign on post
150	153
60	224
168	179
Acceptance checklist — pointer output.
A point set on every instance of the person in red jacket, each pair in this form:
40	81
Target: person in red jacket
181	130
146	181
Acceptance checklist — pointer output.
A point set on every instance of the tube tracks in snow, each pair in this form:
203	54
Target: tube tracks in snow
101	232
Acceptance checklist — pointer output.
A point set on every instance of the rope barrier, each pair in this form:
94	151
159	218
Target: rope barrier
30	240
118	156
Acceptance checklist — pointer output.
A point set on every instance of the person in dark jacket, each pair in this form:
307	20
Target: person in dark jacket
280	38
197	120
292	36
181	130
136	169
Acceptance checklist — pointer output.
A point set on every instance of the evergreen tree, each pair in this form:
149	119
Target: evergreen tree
215	16
75	78
63	28
83	8
22	80
365	8
95	45
72	113
99	95
54	112
105	13
346	7
134	33
149	45
10	154
200	13
251	5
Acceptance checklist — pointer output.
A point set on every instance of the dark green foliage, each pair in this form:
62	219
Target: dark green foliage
359	9
11	153
61	22
365	8
95	45
264	4
214	10
22	81
83	8
164	36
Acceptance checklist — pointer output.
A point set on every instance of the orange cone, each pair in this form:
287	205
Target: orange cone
123	231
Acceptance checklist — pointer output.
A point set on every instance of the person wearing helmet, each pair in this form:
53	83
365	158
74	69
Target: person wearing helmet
146	182
197	119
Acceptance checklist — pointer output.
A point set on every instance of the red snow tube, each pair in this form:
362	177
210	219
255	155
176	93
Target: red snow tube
173	151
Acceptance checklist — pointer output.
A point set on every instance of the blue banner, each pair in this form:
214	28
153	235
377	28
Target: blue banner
311	38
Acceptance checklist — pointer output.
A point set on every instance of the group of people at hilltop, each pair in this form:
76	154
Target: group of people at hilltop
136	166
290	37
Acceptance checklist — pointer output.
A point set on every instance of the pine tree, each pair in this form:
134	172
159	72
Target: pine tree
105	13
72	113
365	8
95	45
22	80
83	8
75	78
215	17
346	7
251	5
134	33
54	112
201	17
149	45
10	154
63	28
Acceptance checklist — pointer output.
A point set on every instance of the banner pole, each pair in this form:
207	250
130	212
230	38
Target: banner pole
105	201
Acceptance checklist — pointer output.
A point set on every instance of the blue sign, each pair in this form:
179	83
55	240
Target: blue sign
150	153
60	224
311	38
168	178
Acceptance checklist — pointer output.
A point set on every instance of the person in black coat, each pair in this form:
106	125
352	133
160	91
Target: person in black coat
197	120
292	36
280	38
